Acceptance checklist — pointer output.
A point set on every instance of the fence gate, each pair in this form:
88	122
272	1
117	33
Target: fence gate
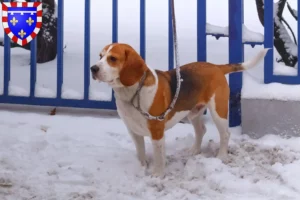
236	54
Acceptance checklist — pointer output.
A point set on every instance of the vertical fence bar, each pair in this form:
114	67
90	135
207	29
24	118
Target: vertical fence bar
298	38
115	21
143	29
171	47
6	62
114	29
60	47
87	34
201	30
268	40
33	52
236	55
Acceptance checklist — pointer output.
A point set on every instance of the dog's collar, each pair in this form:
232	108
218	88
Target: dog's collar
138	107
138	90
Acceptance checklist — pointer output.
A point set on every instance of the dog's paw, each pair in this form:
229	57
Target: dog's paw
143	163
223	157
144	166
158	173
195	150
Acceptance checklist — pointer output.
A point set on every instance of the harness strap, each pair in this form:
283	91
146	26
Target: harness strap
179	80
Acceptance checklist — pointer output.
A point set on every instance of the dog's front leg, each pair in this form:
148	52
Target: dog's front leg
140	147
159	156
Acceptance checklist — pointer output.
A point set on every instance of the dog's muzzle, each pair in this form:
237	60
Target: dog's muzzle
94	71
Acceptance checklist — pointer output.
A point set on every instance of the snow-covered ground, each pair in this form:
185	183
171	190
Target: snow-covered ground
89	155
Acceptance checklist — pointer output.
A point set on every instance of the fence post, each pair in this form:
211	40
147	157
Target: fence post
201	30
87	49
268	40
115	21
33	52
143	29
171	47
6	62
114	30
60	47
236	55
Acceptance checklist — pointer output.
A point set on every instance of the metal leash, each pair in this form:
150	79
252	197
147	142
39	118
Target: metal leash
171	106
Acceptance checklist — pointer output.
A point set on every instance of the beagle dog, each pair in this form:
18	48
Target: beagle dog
204	85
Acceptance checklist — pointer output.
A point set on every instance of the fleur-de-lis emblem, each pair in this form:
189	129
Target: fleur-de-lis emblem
29	21
14	21
22	33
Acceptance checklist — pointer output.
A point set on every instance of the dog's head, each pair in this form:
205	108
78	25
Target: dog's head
119	66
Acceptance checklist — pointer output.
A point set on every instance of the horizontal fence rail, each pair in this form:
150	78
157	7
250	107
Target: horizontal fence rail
236	55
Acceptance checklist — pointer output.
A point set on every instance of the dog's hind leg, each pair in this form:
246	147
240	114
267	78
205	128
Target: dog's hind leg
196	119
218	107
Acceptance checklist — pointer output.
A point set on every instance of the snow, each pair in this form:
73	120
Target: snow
96	95
248	35
281	69
41	91
254	88
83	155
71	94
55	10
213	29
251	36
17	91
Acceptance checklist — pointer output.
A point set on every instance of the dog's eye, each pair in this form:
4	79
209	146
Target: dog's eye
113	59
100	57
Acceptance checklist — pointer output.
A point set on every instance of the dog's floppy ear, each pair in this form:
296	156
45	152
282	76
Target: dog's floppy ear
133	68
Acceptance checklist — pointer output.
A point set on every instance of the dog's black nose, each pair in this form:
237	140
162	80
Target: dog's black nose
94	69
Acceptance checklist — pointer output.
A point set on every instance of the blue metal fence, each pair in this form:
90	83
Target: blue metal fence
58	101
236	55
269	77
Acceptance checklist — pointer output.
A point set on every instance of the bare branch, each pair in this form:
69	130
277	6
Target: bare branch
281	4
292	11
282	41
289	27
260	10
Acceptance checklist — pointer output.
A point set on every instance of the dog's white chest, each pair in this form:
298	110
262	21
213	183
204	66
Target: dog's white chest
133	119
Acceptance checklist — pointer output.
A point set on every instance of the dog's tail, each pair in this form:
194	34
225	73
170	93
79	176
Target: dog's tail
230	68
